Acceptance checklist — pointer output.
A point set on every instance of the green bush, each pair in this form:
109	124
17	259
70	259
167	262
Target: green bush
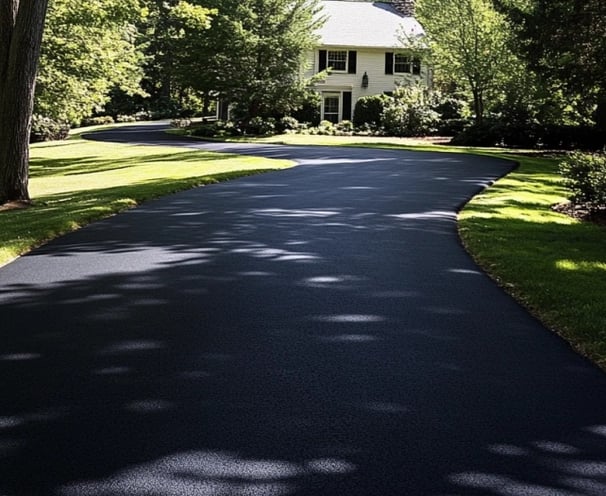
216	129
345	128
180	123
409	113
126	118
585	177
484	134
369	109
261	126
100	120
287	123
47	129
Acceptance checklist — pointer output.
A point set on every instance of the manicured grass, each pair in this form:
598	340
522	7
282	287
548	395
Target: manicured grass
75	182
553	264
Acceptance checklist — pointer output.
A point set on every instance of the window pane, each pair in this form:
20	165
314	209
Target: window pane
331	108
337	59
401	63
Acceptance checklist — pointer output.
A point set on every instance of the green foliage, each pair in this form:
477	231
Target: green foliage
409	113
47	129
585	177
470	45
87	49
287	123
217	129
264	52
369	109
98	121
174	35
261	126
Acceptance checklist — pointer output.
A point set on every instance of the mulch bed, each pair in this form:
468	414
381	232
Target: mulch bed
585	212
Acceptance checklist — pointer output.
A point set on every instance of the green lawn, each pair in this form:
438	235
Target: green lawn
553	264
75	182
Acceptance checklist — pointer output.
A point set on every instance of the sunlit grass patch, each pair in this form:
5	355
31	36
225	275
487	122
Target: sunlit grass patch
75	182
553	263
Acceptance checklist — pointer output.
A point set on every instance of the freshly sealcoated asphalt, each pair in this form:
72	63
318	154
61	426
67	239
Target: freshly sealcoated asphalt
317	331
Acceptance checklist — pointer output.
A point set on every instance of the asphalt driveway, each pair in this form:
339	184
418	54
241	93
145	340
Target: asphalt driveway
317	331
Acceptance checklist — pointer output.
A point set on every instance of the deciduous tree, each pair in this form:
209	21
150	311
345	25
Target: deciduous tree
21	28
469	41
88	48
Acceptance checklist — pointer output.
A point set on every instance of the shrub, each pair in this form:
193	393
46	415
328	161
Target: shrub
585	177
369	109
180	123
216	129
452	127
309	112
484	134
126	118
450	107
97	121
261	126
563	137
345	128
47	129
409	113
287	123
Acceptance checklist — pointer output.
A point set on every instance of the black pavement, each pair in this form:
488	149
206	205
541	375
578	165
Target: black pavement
317	331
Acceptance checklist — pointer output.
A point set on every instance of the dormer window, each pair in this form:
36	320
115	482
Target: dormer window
337	59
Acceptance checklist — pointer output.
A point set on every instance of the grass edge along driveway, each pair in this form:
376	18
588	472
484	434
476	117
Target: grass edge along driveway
75	182
554	265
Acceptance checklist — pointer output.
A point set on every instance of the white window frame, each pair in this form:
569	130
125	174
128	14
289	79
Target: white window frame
346	61
332	94
411	64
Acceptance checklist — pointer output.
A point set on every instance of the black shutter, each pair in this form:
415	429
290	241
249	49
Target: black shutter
388	62
352	61
322	61
347	105
416	66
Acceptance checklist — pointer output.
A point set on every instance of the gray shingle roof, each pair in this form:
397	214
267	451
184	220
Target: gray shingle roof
364	24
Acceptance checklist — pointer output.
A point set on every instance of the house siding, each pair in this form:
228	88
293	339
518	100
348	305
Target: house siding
370	61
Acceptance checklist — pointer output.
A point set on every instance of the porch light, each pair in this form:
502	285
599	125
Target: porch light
365	80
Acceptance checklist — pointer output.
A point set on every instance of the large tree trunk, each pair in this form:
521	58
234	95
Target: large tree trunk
21	27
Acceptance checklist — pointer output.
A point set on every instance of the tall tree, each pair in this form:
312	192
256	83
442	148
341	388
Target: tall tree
564	42
175	34
469	41
253	55
88	48
21	28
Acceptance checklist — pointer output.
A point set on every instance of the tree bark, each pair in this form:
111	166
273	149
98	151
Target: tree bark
21	27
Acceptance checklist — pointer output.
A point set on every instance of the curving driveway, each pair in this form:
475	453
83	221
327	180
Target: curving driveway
317	331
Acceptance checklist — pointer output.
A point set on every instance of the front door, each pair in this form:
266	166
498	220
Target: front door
331	107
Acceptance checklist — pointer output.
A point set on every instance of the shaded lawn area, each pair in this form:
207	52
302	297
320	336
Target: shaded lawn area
75	182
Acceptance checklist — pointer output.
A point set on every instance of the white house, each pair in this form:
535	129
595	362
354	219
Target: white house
362	44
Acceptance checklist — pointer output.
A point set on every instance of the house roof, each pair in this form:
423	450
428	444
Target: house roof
364	24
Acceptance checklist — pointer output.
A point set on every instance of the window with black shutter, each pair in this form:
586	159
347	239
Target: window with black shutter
347	105
352	62
322	65
388	62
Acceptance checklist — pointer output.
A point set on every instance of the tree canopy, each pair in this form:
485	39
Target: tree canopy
469	41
